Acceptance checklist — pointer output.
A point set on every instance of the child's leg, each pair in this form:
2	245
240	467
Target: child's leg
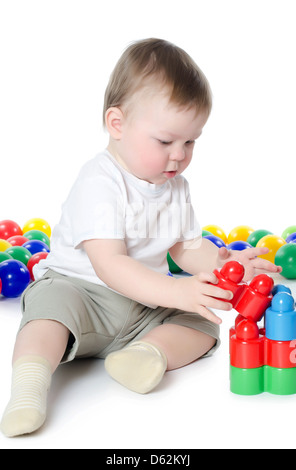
181	345
46	338
39	348
141	365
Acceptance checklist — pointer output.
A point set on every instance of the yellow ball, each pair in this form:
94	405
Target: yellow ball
240	233
217	231
4	244
37	224
273	243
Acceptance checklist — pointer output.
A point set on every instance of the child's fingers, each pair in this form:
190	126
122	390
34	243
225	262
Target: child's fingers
209	315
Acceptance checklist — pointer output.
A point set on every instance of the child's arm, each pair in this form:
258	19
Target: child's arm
201	255
132	279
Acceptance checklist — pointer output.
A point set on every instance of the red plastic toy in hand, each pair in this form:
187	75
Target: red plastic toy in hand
230	278
256	298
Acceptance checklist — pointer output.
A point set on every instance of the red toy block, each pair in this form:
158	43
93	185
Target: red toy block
230	278
246	345
280	354
256	298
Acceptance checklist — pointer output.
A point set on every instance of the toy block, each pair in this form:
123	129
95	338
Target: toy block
280	354
247	346
280	318
230	278
262	379
247	381
264	359
279	381
255	298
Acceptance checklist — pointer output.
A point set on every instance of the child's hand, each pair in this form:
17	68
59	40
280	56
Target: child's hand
197	294
249	259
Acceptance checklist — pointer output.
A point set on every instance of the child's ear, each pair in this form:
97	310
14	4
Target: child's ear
113	120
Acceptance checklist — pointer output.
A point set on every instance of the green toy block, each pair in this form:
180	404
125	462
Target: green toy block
246	381
263	379
280	381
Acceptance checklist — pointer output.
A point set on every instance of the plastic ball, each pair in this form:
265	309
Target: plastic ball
4	256
37	224
4	244
17	240
239	245
291	238
8	228
15	277
37	235
205	233
35	260
173	267
217	231
20	253
36	246
255	236
286	258
216	240
288	231
273	243
240	233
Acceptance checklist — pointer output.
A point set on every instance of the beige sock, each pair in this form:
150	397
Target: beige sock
26	410
139	367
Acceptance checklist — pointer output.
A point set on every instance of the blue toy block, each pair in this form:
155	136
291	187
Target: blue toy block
280	318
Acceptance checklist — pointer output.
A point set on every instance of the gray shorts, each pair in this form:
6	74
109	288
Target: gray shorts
100	320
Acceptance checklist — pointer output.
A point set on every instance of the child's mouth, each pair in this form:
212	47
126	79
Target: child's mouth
169	174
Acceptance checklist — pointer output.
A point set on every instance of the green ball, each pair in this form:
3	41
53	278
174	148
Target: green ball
255	236
286	258
288	231
19	253
37	235
4	256
205	233
173	267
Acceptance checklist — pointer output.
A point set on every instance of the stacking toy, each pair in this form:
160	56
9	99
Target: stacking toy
230	278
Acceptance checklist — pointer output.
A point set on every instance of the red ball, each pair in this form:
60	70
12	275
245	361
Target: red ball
233	271
35	260
9	228
262	284
247	329
17	240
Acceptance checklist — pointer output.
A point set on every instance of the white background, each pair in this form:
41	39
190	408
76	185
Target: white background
56	57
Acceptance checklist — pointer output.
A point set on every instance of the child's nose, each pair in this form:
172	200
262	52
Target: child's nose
178	154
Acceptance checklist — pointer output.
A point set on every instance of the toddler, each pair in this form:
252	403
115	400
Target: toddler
104	291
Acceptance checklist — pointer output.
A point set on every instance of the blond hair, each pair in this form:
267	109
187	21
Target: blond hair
166	64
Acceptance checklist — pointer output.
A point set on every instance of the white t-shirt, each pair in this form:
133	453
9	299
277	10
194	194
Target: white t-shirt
108	202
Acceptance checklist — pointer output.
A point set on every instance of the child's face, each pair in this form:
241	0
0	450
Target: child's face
158	138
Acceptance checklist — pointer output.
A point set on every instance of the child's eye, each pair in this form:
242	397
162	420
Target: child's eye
190	142
165	142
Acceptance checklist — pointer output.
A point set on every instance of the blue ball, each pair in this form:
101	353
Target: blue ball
291	238
216	240
239	245
14	276
36	246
